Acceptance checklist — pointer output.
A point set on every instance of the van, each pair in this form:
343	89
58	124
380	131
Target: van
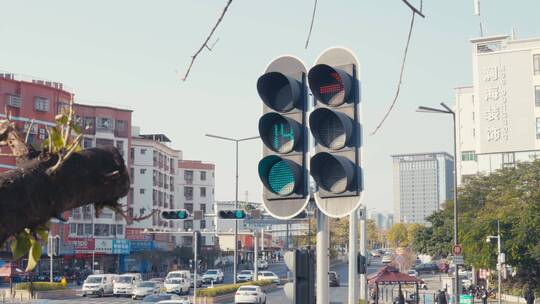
124	284
99	284
184	274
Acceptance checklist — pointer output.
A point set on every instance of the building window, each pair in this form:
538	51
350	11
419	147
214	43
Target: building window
88	123
113	230
101	230
203	192
203	225
537	95
120	146
154	197
14	101
203	208
87	143
188	207
143	151
120	125
188	224
508	159
203	175
141	191
80	228
131	174
536	64
171	198
537	128
88	229
188	193
73	229
104	124
143	171
62	107
188	176
132	154
468	156
119	229
102	142
41	104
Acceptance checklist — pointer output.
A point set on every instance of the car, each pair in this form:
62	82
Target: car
145	288
193	280
268	275
333	278
98	284
159	281
386	259
179	301
262	264
250	294
156	298
213	275
412	273
375	254
177	285
244	276
124	284
427	268
184	274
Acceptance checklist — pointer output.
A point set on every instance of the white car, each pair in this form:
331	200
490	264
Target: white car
177	285
179	301
250	294
124	284
98	284
262	264
244	276
268	275
193	280
215	275
145	288
386	259
412	273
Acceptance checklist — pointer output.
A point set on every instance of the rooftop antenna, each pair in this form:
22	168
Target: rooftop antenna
477	13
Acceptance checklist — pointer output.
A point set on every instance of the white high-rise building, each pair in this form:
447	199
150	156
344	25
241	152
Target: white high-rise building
498	117
422	182
195	185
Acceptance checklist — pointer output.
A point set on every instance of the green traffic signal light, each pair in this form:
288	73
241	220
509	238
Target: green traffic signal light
232	214
180	214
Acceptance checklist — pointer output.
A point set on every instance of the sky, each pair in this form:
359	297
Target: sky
132	54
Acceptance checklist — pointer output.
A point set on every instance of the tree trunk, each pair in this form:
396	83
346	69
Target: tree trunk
30	196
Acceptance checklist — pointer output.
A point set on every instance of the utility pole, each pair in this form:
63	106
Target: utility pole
255	257
322	257
195	264
499	260
353	257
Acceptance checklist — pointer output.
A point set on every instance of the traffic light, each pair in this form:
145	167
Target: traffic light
336	127
361	264
179	214
283	130
301	263
232	214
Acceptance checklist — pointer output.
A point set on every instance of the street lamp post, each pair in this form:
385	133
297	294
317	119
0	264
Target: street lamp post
447	110
236	141
52	252
499	257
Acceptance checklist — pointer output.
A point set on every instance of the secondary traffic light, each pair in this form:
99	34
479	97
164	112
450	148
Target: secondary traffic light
336	127
179	214
283	131
232	214
361	264
301	263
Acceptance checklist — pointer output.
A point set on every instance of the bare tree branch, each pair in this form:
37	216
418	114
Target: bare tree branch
205	43
312	21
29	130
210	48
414	12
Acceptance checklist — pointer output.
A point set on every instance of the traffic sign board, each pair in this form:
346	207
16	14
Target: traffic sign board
458	260
457	250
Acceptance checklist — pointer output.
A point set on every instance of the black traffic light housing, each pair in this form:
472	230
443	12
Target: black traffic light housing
237	214
305	276
336	127
177	214
283	131
361	263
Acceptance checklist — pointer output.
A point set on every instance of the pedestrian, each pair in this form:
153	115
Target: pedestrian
484	294
441	298
401	298
529	295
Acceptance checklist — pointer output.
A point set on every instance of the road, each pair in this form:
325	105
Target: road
277	296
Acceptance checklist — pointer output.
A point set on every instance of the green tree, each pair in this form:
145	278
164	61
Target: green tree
398	236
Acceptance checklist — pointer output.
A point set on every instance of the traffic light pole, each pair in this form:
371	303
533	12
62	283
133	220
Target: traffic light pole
255	257
322	257
353	254
195	265
363	252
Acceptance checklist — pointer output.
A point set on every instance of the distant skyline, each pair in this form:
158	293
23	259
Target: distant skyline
132	54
